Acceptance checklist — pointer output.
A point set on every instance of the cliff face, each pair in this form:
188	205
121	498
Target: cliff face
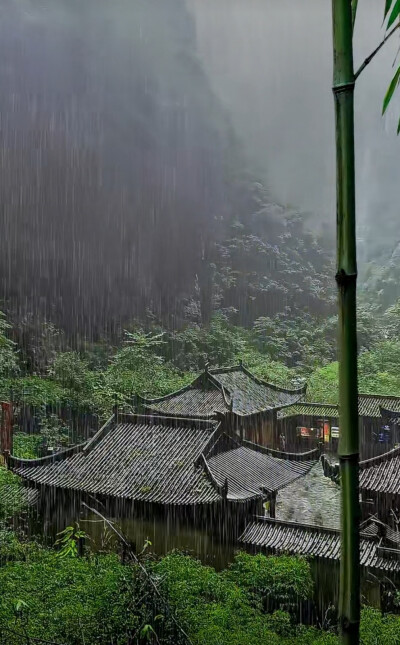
121	177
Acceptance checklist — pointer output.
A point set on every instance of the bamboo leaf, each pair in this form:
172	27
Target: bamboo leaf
395	14
398	127
394	83
388	4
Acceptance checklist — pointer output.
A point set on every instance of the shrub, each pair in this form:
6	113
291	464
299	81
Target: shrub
27	446
281	580
12	499
68	600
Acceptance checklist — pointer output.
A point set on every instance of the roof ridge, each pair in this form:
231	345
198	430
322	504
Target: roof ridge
299	525
164	418
99	434
242	368
379	396
165	397
221	490
308	527
274	386
280	454
312	528
222	389
15	462
315	404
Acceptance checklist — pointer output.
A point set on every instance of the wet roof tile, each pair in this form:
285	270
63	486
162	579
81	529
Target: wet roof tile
220	389
167	461
278	536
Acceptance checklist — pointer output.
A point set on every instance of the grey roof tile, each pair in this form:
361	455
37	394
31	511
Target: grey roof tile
215	390
278	536
167	461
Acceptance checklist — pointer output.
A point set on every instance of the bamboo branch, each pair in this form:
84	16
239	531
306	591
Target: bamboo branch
142	568
373	54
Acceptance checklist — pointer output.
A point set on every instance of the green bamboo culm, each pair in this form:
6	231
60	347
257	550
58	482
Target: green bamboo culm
346	277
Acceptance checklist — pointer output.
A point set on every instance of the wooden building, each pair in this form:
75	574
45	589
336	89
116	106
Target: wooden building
304	425
379	544
380	486
249	404
189	467
379	558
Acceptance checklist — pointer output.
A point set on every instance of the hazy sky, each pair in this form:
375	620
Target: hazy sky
270	62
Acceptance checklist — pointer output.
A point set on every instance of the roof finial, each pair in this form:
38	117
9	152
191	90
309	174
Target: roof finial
207	367
240	362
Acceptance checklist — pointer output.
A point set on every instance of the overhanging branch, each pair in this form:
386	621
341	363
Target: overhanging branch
373	54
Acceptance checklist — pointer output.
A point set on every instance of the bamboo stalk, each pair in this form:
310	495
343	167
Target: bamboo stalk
346	277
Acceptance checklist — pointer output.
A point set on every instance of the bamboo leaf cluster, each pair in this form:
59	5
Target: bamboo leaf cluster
392	14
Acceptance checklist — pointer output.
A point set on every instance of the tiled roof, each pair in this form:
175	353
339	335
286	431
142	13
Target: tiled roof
249	471
324	410
381	474
250	395
369	405
190	402
278	536
390	416
166	461
223	389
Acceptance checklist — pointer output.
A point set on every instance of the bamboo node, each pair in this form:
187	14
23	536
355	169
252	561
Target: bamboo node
343	279
343	87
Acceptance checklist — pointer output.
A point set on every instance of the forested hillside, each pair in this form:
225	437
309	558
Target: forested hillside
124	188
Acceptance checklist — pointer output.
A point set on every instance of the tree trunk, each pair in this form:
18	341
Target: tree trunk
346	276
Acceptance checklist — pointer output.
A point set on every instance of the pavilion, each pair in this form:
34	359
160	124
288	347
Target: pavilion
249	404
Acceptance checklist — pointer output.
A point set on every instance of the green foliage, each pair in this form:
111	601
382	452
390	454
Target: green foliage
70	371
12	499
8	356
14	548
285	580
68	600
376	628
68	541
35	391
391	321
392	14
27	446
323	385
268	370
220	344
379	369
212	608
296	338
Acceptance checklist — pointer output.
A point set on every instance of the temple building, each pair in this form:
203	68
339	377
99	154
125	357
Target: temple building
379	485
249	404
172	465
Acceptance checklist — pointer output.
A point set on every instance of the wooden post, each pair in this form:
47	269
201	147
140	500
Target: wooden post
6	429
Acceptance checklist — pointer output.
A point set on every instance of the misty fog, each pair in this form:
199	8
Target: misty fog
271	64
